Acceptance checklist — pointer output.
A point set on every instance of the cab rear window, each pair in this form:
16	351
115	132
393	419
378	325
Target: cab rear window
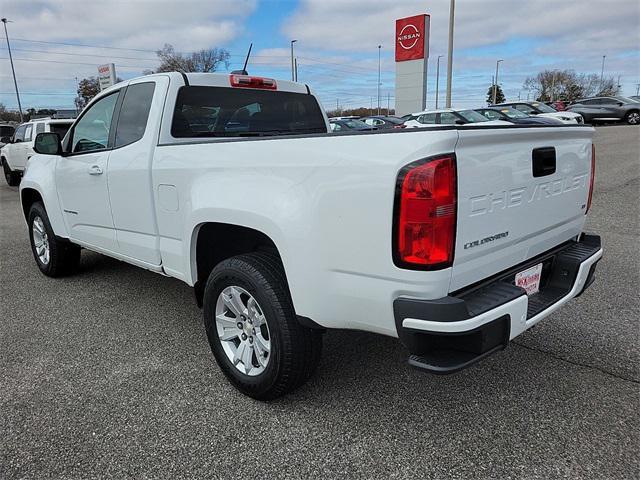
226	112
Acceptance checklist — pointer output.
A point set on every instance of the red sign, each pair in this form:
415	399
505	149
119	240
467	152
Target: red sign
410	38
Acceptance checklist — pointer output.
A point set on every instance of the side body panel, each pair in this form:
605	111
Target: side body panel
326	202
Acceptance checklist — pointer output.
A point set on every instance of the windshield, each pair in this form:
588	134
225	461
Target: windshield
544	108
472	116
513	113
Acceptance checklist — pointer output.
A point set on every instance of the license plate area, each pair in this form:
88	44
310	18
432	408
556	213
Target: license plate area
529	279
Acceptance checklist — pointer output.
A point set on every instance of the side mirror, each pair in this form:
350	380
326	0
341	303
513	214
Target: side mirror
7	139
620	104
48	144
460	122
16	140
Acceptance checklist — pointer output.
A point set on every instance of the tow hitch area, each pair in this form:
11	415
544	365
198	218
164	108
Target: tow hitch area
451	333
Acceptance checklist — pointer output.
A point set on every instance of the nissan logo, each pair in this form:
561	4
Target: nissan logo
408	36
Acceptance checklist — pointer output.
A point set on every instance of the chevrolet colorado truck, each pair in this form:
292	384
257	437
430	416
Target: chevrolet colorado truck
454	240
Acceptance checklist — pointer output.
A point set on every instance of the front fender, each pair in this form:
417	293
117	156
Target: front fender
39	175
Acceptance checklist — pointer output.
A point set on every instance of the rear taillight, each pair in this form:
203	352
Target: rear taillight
246	81
425	214
592	178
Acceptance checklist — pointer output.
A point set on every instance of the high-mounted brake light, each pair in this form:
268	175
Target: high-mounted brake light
425	214
247	81
592	178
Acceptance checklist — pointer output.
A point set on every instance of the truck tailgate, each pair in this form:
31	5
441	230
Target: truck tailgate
521	191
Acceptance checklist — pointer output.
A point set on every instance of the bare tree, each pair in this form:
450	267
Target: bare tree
201	61
568	86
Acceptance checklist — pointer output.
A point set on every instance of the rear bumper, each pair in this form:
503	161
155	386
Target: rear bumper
453	332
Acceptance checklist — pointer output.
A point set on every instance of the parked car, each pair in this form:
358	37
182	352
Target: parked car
15	154
342	125
543	110
635	97
382	122
6	132
608	109
512	115
450	116
454	240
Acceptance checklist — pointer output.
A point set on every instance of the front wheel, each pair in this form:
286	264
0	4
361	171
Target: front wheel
632	118
12	178
253	330
55	257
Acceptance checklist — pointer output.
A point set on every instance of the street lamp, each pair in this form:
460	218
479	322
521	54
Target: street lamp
15	83
495	87
438	79
602	73
379	48
293	67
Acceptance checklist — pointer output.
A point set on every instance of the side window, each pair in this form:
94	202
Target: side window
39	128
335	127
428	118
369	121
92	130
378	122
525	109
19	135
448	118
134	113
490	114
27	132
607	101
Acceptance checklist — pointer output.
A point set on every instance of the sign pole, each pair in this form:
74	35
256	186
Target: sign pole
450	55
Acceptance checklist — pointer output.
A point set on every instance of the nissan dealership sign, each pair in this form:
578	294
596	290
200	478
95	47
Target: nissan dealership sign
107	75
412	55
410	38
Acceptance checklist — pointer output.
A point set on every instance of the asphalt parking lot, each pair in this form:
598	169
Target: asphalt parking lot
108	374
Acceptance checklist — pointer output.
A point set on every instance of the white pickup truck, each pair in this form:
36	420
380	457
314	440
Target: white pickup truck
19	147
455	240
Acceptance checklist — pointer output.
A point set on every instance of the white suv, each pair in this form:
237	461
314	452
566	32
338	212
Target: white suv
15	154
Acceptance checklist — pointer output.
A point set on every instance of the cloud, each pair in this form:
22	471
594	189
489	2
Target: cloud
357	26
47	72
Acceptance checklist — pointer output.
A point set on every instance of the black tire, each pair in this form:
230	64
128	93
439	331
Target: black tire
12	178
295	349
64	256
632	117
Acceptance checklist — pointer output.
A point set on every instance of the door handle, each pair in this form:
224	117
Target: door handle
95	170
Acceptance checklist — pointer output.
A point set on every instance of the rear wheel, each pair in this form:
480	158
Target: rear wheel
12	178
252	328
55	257
632	118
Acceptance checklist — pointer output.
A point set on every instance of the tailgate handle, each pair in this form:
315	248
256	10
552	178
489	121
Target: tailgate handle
544	161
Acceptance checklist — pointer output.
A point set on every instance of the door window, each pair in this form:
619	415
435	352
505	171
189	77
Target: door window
526	109
27	133
19	135
428	118
134	113
39	128
92	130
491	114
448	118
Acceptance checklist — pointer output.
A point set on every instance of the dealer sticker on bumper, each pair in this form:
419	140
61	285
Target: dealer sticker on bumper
530	279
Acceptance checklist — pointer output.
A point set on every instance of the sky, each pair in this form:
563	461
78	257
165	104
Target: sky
57	42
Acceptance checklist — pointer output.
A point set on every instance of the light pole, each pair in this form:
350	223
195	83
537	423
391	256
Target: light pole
379	49
438	79
293	68
15	82
495	86
602	73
